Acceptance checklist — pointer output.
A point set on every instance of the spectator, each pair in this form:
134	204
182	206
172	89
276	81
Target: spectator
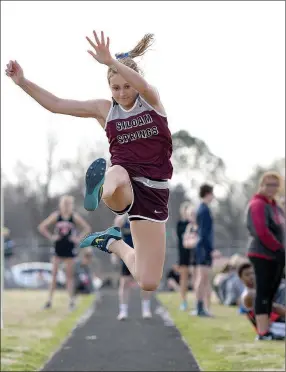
267	247
191	231
83	277
8	243
204	251
173	279
184	254
126	281
277	313
234	286
282	204
227	283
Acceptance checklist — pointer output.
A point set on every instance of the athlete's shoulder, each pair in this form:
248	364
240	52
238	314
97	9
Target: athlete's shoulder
157	105
103	106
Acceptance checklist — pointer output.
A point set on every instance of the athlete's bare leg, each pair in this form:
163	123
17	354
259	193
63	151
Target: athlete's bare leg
117	191
146	260
69	266
124	292
55	262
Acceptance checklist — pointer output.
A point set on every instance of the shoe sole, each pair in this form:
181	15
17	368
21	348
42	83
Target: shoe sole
94	179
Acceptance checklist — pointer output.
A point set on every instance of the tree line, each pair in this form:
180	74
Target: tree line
29	199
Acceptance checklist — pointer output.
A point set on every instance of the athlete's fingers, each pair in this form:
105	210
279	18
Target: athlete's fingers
92	54
91	43
96	37
107	42
102	38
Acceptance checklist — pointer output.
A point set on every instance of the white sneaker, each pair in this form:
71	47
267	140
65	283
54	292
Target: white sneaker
122	315
146	314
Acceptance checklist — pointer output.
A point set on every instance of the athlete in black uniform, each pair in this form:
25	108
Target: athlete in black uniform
65	239
126	279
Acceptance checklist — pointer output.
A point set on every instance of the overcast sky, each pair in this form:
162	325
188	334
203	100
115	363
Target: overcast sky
219	68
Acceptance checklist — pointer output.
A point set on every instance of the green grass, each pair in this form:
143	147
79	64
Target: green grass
31	335
226	342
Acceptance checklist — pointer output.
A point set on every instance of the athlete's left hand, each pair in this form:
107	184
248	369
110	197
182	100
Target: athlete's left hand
101	48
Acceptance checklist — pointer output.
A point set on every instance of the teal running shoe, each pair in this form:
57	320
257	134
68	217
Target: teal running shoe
94	180
100	239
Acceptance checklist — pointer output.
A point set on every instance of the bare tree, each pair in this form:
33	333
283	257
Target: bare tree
50	171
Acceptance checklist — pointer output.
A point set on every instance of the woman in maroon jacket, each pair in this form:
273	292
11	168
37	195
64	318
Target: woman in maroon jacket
266	250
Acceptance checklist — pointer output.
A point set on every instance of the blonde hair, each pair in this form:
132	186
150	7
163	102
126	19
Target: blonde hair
127	59
271	174
281	201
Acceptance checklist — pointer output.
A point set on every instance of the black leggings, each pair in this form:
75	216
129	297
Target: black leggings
268	275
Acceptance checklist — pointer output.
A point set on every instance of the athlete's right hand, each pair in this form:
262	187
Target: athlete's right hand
15	72
55	238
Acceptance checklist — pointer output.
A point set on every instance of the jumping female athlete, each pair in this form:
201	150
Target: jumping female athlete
65	239
136	125
137	182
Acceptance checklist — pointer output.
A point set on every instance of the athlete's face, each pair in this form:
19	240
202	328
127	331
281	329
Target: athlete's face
122	92
66	206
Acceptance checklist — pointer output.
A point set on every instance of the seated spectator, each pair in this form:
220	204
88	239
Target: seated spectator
220	280
280	295
277	316
227	284
83	278
173	279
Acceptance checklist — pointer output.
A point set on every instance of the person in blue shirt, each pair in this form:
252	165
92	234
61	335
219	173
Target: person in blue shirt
203	250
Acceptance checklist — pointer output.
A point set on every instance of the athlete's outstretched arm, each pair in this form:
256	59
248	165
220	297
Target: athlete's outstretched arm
97	109
102	54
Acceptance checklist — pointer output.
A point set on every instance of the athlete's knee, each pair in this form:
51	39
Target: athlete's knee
118	177
120	174
149	284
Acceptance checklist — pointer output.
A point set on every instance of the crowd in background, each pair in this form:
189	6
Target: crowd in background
254	282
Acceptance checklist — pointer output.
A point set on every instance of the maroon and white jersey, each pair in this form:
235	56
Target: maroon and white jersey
140	140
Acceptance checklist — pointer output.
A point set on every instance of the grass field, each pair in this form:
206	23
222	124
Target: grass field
31	335
226	342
